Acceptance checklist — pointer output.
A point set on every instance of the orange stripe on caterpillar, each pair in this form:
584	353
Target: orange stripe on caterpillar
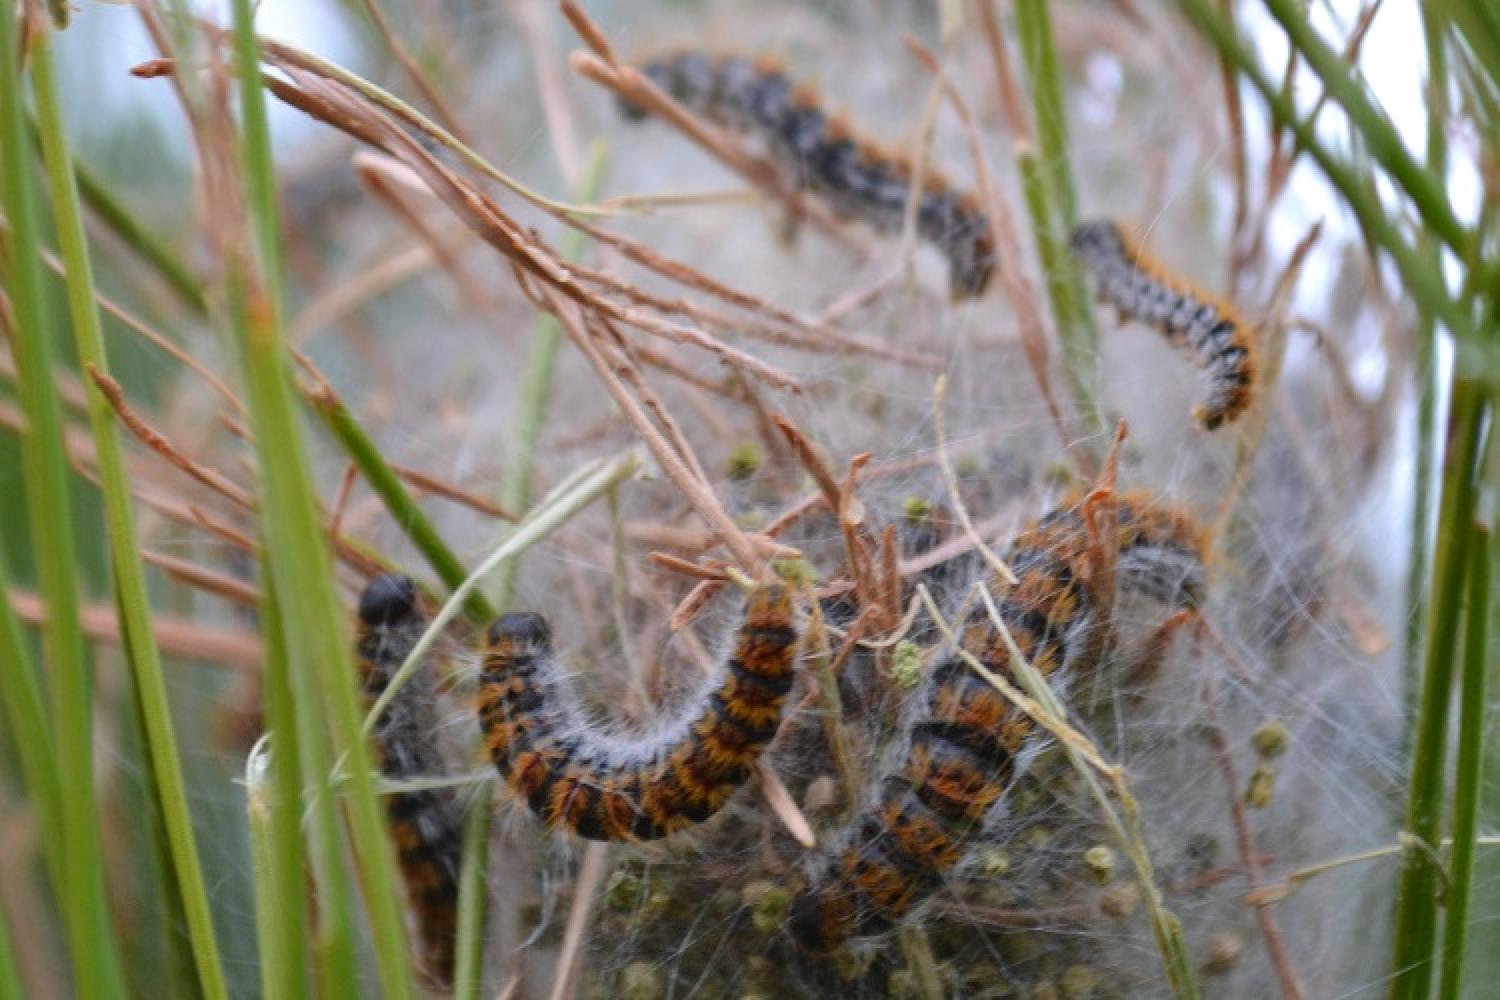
425	825
1206	327
856	176
966	736
575	777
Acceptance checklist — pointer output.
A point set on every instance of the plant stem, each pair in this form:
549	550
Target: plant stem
1052	203
1468	782
1070	310
468	958
10	976
128	574
23	708
316	637
1426	373
1416	900
50	512
281	879
1039	53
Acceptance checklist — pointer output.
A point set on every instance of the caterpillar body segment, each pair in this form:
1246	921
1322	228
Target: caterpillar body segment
967	738
425	825
577	778
1205	327
858	178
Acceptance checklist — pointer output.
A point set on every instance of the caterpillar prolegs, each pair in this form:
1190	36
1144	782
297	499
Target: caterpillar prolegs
1205	327
966	738
426	825
856	176
576	777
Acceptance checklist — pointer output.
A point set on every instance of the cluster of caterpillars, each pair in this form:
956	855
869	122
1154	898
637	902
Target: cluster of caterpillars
966	740
822	154
584	780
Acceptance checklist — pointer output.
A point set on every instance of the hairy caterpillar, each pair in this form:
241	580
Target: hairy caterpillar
426	825
1206	327
576	778
966	738
858	178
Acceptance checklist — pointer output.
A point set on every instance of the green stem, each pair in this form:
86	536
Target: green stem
130	579
468	958
1071	314
1426	376
398	502
316	638
1039	53
281	881
50	512
302	785
10	976
1468	782
536	382
1052	203
1416	901
23	708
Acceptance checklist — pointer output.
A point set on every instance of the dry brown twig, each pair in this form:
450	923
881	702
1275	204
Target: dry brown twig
695	491
202	578
159	443
437	242
532	260
175	636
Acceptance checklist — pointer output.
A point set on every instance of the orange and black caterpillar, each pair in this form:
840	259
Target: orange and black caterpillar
576	778
857	177
966	737
1208	328
426	825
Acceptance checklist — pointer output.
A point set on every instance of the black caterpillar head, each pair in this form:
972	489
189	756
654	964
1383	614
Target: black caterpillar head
389	599
521	630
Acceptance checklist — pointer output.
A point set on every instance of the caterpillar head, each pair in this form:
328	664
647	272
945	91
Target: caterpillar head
521	631
1097	239
389	599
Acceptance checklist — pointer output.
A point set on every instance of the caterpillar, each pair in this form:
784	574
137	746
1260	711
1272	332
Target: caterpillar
576	777
425	825
857	177
1208	328
966	737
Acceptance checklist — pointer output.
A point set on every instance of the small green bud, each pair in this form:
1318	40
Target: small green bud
745	460
1271	739
916	508
1101	863
1261	787
906	665
994	862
